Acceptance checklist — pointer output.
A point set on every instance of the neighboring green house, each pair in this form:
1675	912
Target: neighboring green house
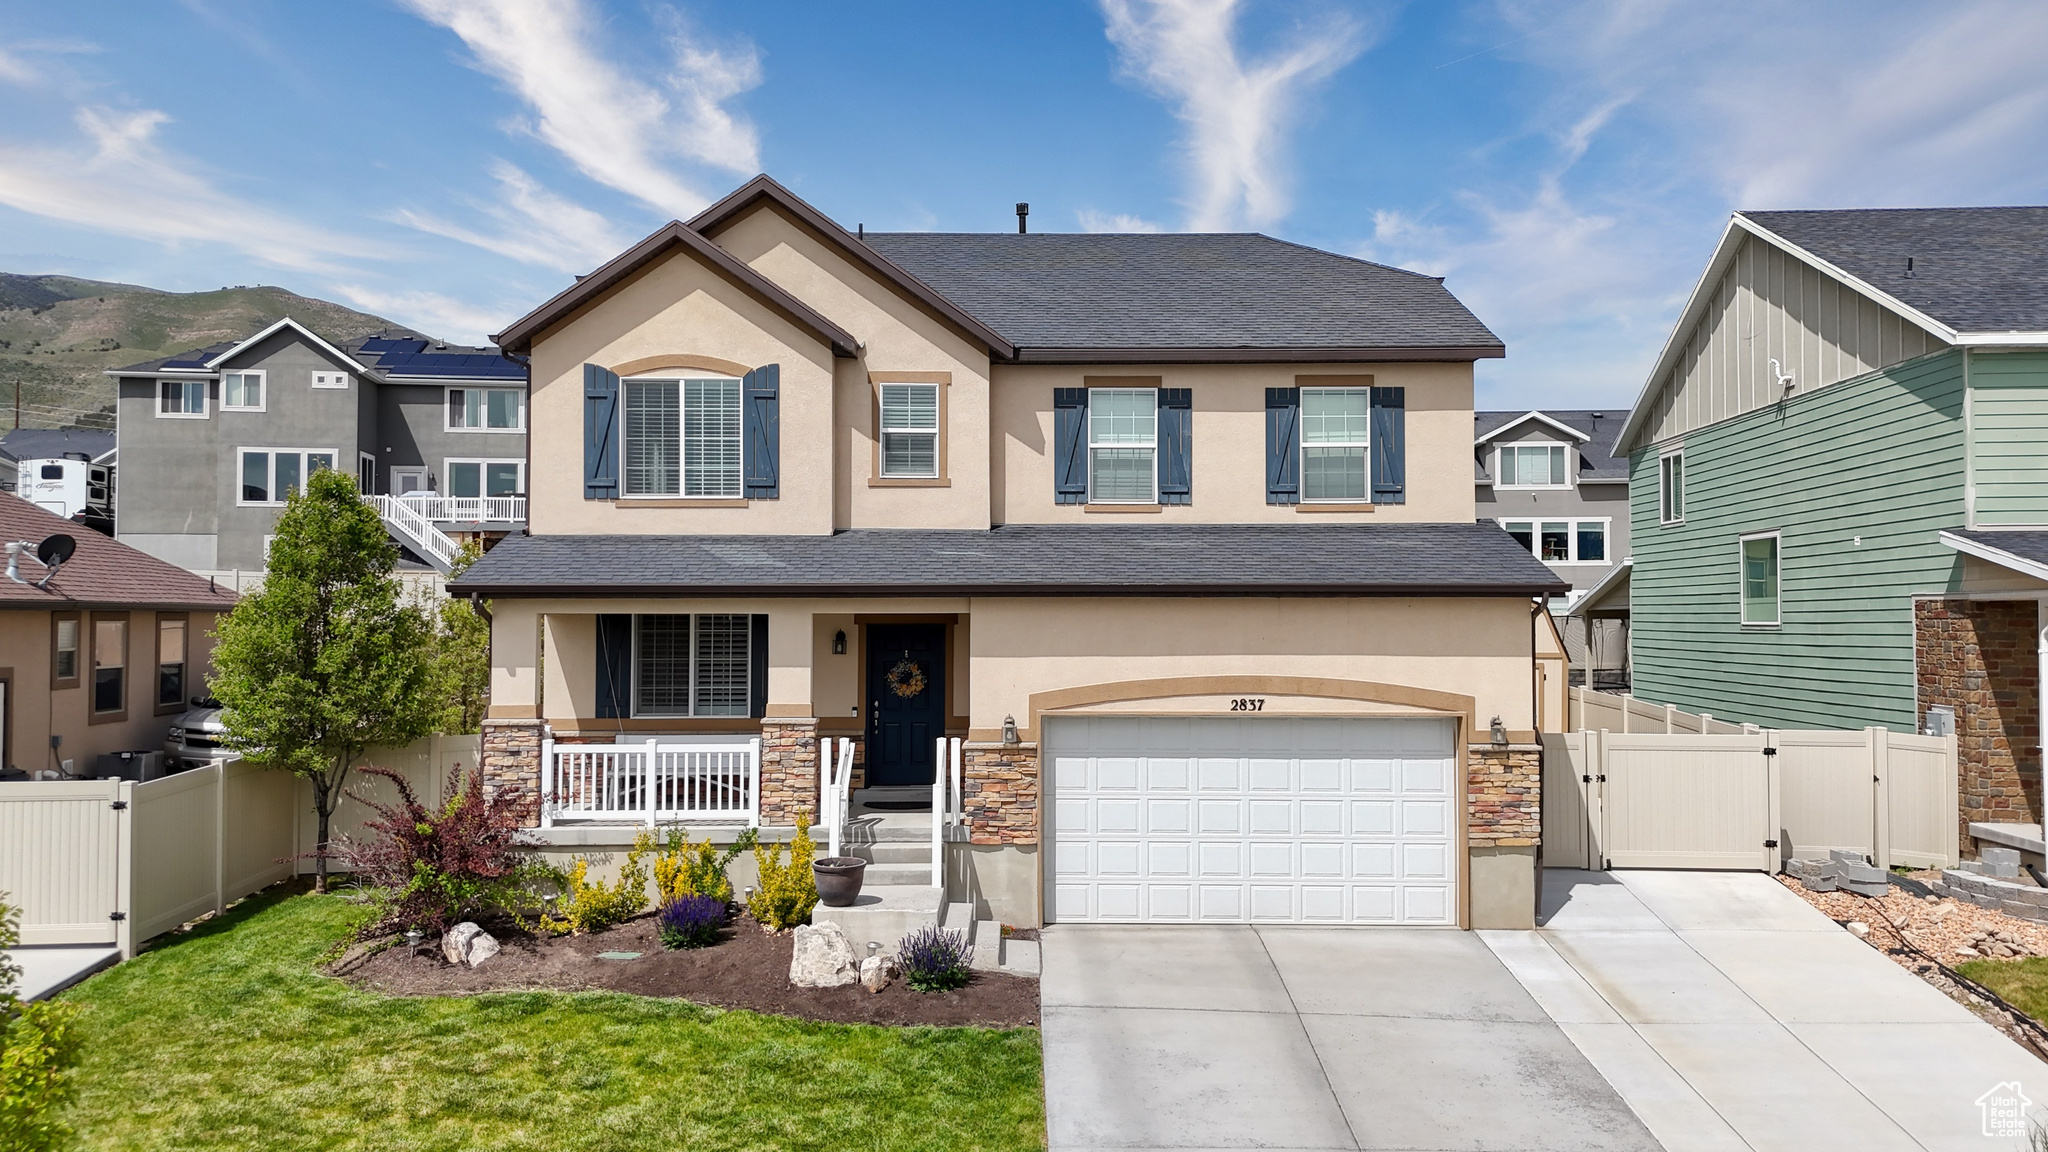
1833	468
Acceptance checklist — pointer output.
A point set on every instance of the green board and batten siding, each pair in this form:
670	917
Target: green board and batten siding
2009	430
1880	458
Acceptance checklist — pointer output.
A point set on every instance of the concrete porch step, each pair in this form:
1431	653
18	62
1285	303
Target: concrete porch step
884	916
893	852
892	875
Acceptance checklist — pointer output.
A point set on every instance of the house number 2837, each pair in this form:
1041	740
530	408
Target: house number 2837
1248	704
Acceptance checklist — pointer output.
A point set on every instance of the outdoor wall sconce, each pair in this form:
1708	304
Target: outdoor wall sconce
1010	730
839	642
1500	733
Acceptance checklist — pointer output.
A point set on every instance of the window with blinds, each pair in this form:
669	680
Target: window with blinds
910	430
692	665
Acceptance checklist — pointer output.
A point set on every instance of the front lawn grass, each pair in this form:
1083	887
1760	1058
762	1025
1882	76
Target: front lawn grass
2022	983
230	1038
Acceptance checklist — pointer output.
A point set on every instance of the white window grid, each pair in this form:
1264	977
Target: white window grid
1573	526
305	461
1123	445
330	379
236	388
681	438
175	399
1336	436
1554	463
693	665
477	407
1671	487
910	431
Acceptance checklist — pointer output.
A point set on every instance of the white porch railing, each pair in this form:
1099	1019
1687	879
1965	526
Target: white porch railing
415	529
946	802
835	791
467	509
651	782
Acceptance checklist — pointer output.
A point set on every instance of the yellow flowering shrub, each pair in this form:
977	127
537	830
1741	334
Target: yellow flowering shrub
787	889
587	906
686	869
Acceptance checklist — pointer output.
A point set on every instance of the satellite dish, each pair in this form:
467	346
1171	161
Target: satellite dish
56	550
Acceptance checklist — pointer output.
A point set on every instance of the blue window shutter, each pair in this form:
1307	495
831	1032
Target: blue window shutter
614	666
759	400
1283	445
600	433
757	666
1176	445
1389	446
1069	445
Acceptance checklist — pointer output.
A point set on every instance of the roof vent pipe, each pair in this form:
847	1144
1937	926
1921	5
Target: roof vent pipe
1023	210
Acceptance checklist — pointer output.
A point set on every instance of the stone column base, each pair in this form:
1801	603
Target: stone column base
511	765
789	770
1000	782
1503	795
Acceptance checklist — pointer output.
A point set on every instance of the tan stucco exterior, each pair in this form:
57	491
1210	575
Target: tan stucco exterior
36	711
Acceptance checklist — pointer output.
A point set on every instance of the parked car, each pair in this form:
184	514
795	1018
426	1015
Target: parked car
196	738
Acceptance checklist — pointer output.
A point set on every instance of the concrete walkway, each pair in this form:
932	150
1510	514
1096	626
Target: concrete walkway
1308	1038
47	969
1732	1015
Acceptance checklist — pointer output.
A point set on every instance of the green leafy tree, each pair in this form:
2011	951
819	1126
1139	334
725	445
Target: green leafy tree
328	658
462	655
38	1047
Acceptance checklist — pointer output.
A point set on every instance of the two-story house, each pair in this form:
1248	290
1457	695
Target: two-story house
1547	478
213	439
1840	493
1173	531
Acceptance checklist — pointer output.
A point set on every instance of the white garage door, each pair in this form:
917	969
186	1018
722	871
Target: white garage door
1234	820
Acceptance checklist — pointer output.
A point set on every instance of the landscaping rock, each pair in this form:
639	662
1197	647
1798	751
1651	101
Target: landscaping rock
455	942
823	957
1858	928
877	971
482	947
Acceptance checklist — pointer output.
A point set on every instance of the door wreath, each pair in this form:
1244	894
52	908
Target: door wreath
906	679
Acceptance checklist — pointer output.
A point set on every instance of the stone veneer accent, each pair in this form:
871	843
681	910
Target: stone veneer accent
511	760
1001	786
789	770
1504	795
1980	658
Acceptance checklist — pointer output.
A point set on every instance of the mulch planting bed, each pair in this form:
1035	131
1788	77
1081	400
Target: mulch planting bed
748	968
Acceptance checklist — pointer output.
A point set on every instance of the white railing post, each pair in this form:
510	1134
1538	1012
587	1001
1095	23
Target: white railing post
754	782
954	815
647	779
842	802
938	814
547	782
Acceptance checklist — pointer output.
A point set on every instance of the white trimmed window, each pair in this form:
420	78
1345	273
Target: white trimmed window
1760	578
910	430
184	399
268	475
682	438
366	473
1671	488
330	379
692	665
1531	466
486	410
241	391
1336	436
1123	445
1561	541
485	477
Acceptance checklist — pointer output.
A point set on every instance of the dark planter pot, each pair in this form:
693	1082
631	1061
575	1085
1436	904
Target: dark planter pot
838	879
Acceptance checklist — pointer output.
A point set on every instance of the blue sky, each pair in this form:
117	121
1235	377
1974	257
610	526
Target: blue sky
1567	166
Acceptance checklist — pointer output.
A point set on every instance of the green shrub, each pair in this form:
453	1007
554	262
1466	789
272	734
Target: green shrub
687	869
432	868
787	890
586	907
38	1048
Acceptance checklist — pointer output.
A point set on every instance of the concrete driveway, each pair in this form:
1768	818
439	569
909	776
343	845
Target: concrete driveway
1732	1015
1298	1038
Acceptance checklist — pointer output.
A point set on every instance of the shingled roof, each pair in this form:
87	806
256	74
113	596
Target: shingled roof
1187	296
102	573
1026	560
1596	453
1973	269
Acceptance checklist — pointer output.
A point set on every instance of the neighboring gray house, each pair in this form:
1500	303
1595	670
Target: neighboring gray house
1547	477
213	439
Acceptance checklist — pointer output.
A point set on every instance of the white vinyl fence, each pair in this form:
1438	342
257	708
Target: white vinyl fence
651	781
116	862
1623	713
1747	801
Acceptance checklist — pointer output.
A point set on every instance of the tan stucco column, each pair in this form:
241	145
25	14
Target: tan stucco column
515	650
789	661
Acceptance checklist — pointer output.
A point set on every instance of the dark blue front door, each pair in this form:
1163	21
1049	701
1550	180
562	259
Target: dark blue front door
906	701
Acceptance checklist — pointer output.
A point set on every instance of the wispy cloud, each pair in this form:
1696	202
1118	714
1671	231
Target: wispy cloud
1236	112
534	226
430	312
621	131
1094	221
118	179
